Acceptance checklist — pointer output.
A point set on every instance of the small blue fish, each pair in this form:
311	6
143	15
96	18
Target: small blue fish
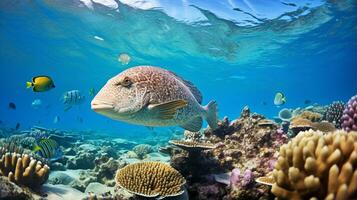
49	149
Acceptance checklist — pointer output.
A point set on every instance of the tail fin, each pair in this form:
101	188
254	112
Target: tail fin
29	84
36	148
211	114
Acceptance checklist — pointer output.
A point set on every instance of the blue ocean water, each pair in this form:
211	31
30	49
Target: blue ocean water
236	52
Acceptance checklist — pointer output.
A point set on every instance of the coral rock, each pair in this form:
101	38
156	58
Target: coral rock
349	117
23	170
334	113
142	150
151	179
300	124
312	116
317	166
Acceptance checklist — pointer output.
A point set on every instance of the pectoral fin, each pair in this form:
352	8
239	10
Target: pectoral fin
194	125
167	110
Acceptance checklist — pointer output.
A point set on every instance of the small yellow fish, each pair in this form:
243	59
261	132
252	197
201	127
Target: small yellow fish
279	99
41	84
124	58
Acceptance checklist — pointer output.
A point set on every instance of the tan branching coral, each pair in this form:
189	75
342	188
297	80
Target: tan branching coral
191	145
317	166
23	170
151	179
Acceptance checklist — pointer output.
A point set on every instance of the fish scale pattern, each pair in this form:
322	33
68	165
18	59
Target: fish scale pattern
317	166
151	179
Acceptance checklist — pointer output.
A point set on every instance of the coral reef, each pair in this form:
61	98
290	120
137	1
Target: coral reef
317	166
142	150
349	117
151	179
334	113
248	144
311	116
23	170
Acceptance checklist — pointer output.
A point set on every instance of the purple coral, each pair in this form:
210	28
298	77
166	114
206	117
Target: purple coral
235	177
349	117
241	180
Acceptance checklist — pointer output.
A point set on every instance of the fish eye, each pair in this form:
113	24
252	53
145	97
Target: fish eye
126	82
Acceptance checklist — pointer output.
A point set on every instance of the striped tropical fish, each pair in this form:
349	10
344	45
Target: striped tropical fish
72	98
48	148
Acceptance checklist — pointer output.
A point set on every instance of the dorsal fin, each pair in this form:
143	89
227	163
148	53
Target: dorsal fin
196	93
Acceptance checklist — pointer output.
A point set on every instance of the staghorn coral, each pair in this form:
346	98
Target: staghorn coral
349	117
23	170
142	150
334	113
317	166
151	179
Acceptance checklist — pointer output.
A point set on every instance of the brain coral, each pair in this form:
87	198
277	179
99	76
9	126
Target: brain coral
349	117
317	166
23	170
151	179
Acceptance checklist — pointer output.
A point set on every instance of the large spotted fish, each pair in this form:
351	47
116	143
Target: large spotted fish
152	96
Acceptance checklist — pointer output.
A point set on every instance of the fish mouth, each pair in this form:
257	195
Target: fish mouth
101	106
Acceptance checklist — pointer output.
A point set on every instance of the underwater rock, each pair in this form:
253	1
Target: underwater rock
349	117
58	177
61	192
223	128
23	170
317	166
83	160
119	194
98	188
57	166
158	157
210	192
142	150
192	136
9	190
334	112
105	170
